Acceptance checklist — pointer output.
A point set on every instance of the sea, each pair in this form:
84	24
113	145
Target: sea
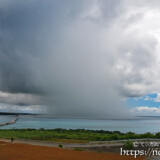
137	125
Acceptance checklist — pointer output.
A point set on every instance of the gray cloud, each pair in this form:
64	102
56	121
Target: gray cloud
78	58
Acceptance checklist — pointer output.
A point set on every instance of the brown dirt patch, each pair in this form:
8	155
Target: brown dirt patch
17	151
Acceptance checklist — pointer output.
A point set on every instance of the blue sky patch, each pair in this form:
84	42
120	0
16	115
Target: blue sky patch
148	100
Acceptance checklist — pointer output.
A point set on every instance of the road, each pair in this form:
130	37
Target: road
65	145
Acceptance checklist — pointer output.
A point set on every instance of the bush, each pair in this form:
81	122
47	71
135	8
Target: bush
60	146
128	145
157	135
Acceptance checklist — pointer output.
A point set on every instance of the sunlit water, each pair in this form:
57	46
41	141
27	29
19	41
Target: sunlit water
137	125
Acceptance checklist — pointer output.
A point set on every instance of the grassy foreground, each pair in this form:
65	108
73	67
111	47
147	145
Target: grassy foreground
72	134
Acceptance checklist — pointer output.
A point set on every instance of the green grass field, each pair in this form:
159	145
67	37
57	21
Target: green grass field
72	134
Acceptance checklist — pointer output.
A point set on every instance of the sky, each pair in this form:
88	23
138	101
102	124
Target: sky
82	59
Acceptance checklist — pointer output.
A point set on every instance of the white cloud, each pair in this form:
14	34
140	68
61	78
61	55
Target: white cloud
20	98
157	99
147	98
22	109
146	111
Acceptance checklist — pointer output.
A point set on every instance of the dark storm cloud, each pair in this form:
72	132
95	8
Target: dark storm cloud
77	58
22	43
26	40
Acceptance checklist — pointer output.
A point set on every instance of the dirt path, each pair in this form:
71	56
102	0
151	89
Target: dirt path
65	145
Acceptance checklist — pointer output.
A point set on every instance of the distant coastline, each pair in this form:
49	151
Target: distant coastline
10	122
17	113
15	119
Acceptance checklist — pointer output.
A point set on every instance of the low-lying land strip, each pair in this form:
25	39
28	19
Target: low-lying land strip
81	135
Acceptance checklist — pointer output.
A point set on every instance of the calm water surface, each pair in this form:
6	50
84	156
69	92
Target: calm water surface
137	125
